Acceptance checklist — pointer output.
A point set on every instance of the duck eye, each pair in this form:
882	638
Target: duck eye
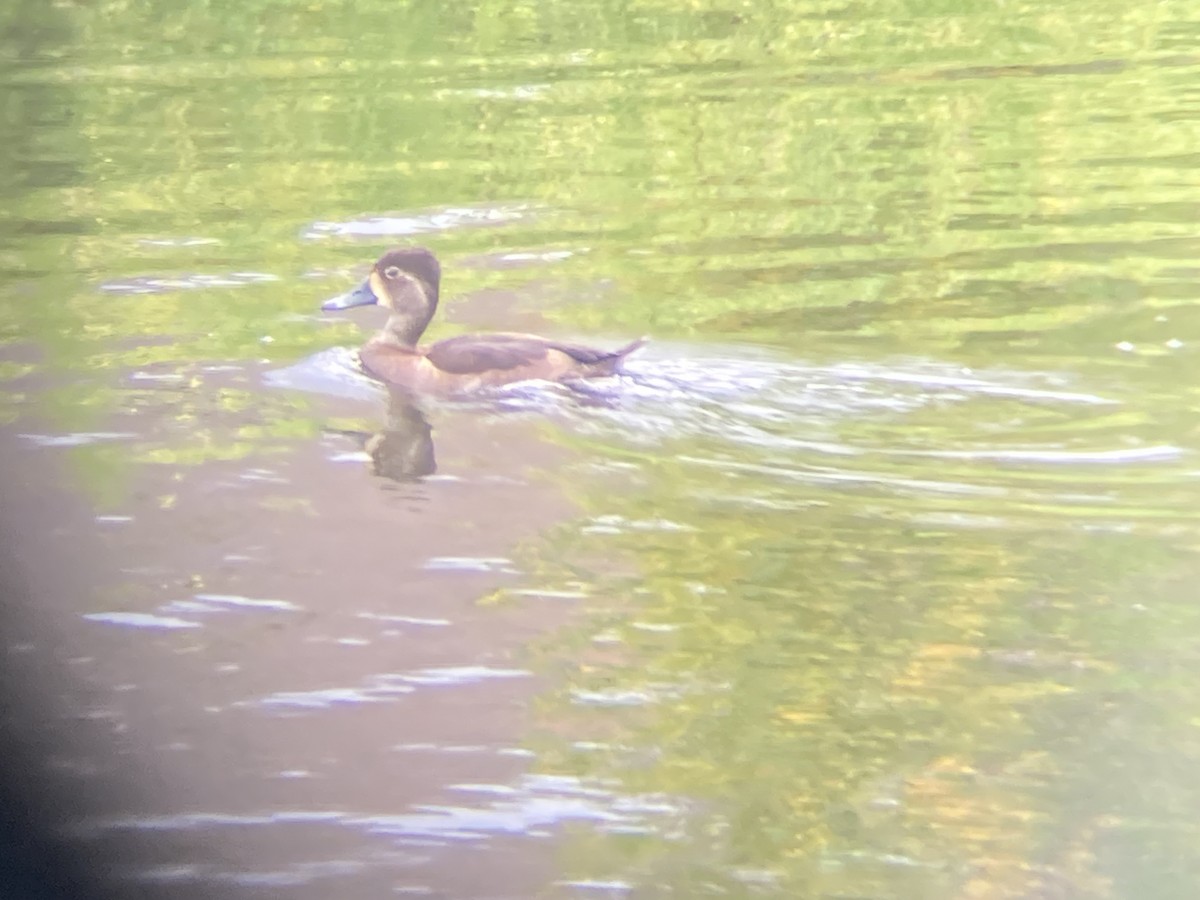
391	272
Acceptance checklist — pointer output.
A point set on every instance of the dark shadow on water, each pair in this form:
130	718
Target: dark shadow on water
38	859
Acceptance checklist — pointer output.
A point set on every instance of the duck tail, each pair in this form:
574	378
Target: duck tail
592	362
631	346
613	362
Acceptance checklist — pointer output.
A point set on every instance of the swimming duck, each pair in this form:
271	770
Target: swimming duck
406	281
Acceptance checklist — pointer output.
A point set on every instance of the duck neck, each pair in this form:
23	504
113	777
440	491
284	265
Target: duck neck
403	330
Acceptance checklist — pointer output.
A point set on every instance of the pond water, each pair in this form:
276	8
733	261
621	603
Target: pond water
874	575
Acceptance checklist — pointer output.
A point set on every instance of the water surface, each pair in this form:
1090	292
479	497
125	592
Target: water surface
873	576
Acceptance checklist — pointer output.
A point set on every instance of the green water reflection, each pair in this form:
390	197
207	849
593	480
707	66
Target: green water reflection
862	688
871	707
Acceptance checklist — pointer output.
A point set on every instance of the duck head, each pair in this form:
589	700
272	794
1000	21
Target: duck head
405	281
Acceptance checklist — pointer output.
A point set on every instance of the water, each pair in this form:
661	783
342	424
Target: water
873	576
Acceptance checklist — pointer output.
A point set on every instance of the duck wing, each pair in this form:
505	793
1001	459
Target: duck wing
472	354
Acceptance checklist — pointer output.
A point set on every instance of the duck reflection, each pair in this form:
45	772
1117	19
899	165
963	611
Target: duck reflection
403	449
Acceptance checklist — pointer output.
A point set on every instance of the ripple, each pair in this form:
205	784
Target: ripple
470	564
967	384
606	887
616	697
615	524
531	805
406	224
163	285
140	620
521	92
678	390
293	875
246	602
1161	453
77	439
997	432
190	821
456	675
325	698
405	620
385	687
334	372
178	242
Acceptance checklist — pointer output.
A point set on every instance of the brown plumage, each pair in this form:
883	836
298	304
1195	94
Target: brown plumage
406	282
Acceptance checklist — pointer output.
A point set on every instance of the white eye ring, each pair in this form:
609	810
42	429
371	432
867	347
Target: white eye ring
391	272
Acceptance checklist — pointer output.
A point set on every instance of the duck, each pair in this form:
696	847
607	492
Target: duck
406	281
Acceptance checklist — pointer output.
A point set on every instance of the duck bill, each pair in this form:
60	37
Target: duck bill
360	296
